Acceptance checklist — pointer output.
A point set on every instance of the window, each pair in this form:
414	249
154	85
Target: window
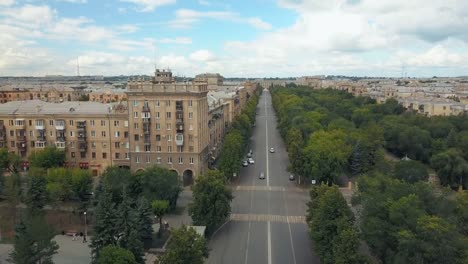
93	144
103	133
72	123
51	133
168	115
135	103
190	148
51	122
145	103
19	122
190	103
135	114
104	155
137	148
127	155
104	144
156	115
117	145
126	134
146	115
169	148
191	160
117	155
136	137
169	160
12	133
12	144
158	126
39	122
116	123
91	122
191	127
158	137
117	134
33	144
135	125
168	126
72	154
93	133
169	137
158	148
72	144
103	122
157	103
190	115
93	155
158	160
148	159
181	161
31	133
125	123
137	159
180	148
168	102
72	134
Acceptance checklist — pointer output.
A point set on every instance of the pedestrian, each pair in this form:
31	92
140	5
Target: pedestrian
74	237
84	239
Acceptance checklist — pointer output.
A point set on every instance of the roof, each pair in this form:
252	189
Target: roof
39	107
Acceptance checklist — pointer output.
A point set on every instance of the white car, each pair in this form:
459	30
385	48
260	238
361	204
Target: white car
245	163
251	161
272	150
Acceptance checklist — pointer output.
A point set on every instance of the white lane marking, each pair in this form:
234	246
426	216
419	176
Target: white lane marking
269	243
266	142
289	227
248	242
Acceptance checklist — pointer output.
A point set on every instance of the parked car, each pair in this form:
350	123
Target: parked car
291	177
272	150
251	161
249	155
262	176
245	163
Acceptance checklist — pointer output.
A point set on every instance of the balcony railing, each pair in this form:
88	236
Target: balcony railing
179	139
20	138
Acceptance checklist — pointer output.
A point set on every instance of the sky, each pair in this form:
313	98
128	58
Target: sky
241	38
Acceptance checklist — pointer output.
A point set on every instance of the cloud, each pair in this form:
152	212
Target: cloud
104	63
6	2
75	1
150	5
128	28
185	18
202	56
177	40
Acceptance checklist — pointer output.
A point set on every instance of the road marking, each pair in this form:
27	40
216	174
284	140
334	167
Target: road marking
289	227
293	219
268	188
266	142
269	243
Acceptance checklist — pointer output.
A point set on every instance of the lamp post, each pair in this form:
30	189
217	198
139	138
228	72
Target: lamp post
85	227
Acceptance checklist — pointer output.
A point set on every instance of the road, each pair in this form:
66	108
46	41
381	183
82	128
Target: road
268	216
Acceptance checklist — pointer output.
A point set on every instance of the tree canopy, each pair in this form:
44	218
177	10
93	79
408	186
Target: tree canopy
185	246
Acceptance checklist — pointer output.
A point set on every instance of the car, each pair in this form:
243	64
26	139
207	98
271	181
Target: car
291	177
249	155
272	150
245	163
251	161
262	176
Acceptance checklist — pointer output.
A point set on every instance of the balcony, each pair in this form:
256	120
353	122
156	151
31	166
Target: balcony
21	146
41	137
81	136
146	120
145	108
81	126
179	139
60	144
179	106
61	138
21	138
40	126
40	144
60	125
83	147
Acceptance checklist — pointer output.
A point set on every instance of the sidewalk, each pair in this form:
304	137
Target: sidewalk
181	217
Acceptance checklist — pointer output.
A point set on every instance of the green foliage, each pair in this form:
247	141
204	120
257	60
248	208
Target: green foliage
232	152
185	246
211	204
145	219
410	171
115	255
451	167
160	208
36	196
49	157
34	242
68	184
160	184
9	162
331	226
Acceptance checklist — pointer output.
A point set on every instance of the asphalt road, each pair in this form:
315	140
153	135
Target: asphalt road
268	216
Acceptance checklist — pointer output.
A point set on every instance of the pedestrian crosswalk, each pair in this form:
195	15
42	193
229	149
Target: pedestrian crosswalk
268	188
294	219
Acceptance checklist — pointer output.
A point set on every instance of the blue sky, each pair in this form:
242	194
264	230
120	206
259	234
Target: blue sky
256	38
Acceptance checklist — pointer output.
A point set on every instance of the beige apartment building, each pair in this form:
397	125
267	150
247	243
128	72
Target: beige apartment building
213	80
54	95
93	135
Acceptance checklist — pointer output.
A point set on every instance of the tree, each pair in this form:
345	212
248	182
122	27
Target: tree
115	255
34	242
36	196
84	97
185	246
410	171
451	168
211	204
160	184
49	157
231	153
105	228
9	162
160	208
145	219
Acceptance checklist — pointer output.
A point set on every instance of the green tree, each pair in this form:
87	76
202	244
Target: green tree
410	171
231	153
9	162
211	204
185	246
116	255
49	157
160	208
145	219
128	231
23	252
36	196
160	184
451	168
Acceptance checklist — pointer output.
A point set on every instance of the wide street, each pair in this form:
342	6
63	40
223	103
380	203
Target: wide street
268	215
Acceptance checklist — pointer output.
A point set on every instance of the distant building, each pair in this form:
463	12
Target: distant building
212	79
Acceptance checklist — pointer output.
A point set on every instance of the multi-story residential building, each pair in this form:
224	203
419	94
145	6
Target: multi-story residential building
54	95
168	125
107	96
214	80
91	134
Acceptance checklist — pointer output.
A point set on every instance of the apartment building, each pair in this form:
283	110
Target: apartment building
51	94
107	96
168	125
91	134
213	80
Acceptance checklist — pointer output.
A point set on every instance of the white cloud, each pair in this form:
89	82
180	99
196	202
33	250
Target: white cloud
75	1
128	28
177	40
6	2
105	63
150	5
259	24
202	56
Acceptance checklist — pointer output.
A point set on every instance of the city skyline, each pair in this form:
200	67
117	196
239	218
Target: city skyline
262	38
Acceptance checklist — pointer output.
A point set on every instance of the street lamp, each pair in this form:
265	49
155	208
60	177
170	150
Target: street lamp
85	227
